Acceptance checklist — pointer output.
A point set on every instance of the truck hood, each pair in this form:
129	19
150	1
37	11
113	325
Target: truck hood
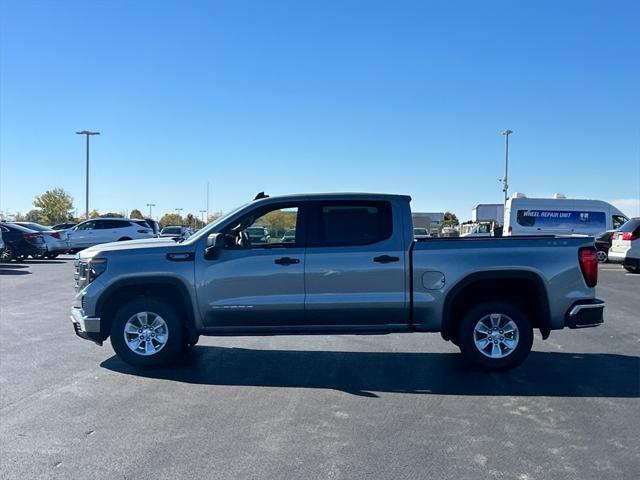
147	243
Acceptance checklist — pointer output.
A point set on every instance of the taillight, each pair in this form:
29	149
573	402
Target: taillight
143	231
630	236
30	236
589	265
55	234
510	229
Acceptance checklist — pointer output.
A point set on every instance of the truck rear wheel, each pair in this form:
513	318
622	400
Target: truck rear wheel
495	335
146	332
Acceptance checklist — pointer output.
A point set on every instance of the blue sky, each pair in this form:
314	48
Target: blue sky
295	96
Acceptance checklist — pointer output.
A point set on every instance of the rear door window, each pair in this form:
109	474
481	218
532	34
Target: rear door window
351	223
112	224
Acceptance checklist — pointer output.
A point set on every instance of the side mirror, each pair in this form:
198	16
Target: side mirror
215	243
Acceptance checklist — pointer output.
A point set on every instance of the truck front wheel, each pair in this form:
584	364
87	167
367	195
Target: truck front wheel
495	335
146	332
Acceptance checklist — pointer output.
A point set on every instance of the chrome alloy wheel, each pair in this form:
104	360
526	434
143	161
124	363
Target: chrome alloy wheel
146	333
496	335
602	256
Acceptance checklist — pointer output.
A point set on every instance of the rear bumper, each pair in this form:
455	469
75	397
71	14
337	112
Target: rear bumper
585	314
84	326
32	249
617	257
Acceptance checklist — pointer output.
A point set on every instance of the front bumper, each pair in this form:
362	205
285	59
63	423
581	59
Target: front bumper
84	326
585	314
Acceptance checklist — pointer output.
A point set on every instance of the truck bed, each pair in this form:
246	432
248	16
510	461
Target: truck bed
549	260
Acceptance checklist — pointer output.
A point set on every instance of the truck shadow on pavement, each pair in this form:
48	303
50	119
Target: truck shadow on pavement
12	269
364	373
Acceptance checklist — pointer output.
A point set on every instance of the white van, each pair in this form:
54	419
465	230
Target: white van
559	216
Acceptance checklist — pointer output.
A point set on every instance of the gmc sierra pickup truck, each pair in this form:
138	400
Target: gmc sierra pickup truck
352	267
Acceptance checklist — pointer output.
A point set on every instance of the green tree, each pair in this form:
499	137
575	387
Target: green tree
135	213
33	216
278	221
190	220
171	219
54	206
450	219
94	213
214	216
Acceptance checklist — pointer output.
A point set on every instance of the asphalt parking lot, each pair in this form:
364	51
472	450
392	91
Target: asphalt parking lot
395	406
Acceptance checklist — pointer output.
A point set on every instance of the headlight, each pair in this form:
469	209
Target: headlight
96	267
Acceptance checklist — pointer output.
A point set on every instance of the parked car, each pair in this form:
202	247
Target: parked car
258	235
56	241
20	242
559	216
1	243
479	229
155	226
603	244
64	226
289	236
625	246
419	233
355	268
175	231
105	230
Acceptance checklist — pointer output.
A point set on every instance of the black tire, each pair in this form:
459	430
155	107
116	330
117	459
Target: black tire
175	340
123	239
7	254
631	269
508	310
53	255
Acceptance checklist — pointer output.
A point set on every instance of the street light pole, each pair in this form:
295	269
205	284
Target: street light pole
150	205
87	133
505	180
202	212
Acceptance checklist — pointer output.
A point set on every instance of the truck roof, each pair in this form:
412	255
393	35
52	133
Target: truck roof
336	196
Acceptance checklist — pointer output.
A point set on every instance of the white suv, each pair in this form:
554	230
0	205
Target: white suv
104	230
625	246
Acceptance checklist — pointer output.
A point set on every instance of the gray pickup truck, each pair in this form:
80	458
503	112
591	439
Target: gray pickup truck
352	267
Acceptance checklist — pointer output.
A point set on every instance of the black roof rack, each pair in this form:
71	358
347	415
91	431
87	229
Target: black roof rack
260	195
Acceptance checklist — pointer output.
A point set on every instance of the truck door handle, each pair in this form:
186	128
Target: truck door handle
286	261
385	259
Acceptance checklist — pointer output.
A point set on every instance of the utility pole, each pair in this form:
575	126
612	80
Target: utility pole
207	200
179	210
202	212
87	133
505	180
150	205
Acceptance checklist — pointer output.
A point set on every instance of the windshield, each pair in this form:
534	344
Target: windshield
205	231
172	230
